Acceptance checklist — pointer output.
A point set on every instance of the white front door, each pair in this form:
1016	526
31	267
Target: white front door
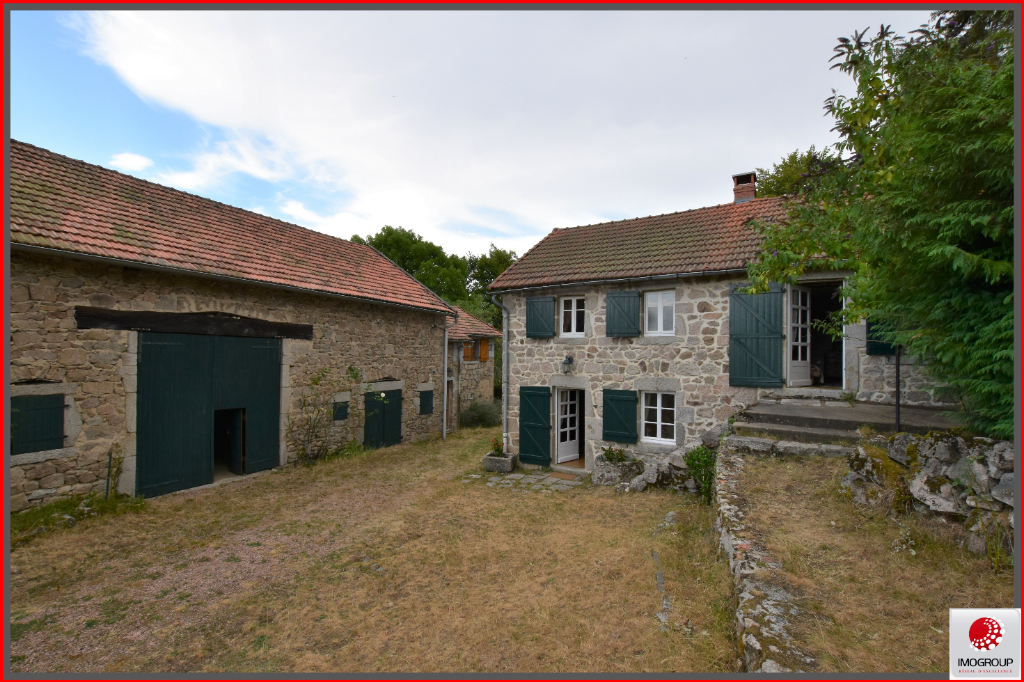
799	337
568	447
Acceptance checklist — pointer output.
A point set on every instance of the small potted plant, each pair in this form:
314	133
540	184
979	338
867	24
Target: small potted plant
497	459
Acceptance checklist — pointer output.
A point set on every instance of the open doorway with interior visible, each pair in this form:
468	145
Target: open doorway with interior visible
228	443
815	358
569	434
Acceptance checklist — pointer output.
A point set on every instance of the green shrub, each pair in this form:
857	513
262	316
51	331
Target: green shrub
481	413
614	455
701	463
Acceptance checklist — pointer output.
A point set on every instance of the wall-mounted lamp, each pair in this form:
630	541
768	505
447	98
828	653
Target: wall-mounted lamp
567	364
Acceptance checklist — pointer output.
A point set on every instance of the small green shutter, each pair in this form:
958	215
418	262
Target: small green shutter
876	346
37	423
426	402
535	425
620	416
340	411
623	314
540	317
756	338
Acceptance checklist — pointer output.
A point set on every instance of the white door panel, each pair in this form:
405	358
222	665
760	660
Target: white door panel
799	336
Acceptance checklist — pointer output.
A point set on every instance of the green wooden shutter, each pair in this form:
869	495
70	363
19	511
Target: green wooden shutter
340	411
756	338
535	425
623	314
37	423
620	416
426	402
876	346
540	317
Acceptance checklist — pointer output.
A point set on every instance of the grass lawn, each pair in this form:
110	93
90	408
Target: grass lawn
873	605
383	562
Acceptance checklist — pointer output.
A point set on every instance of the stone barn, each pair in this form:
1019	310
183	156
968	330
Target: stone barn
183	334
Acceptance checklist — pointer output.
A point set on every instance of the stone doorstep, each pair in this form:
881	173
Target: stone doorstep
559	474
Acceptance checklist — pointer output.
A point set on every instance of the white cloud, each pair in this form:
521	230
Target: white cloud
129	162
472	127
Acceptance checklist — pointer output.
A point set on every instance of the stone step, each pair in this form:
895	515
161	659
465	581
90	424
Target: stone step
843	417
782	448
805	434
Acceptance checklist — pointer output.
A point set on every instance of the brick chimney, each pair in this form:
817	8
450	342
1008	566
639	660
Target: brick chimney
743	186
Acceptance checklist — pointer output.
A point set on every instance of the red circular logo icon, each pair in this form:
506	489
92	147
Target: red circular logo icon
986	633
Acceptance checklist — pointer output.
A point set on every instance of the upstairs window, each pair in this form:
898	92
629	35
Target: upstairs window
574	316
470	351
661	313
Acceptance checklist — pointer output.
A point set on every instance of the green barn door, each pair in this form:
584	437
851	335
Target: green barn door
383	426
756	338
247	376
174	416
535	425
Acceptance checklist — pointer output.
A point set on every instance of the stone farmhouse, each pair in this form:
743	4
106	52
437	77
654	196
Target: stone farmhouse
182	332
633	333
470	363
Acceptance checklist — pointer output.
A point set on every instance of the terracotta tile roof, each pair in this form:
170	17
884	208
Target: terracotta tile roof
468	327
703	239
62	203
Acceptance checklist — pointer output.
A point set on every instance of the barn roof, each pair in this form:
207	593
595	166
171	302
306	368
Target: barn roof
72	206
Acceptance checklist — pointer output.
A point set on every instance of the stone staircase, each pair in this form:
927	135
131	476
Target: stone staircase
805	426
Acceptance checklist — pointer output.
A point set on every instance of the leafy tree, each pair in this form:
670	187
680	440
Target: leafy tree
919	202
790	174
445	275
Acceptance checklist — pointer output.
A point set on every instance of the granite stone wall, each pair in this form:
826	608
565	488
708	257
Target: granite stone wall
693	364
96	369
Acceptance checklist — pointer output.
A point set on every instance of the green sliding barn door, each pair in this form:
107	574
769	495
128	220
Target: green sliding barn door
174	439
183	380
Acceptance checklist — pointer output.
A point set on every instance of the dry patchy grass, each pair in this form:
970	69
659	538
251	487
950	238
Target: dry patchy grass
384	562
869	606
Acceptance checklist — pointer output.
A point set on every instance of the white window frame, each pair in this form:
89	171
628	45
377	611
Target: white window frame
660	413
579	305
660	331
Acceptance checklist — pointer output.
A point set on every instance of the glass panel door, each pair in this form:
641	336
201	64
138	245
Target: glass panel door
568	447
799	337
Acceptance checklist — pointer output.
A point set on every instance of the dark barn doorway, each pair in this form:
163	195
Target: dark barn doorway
203	400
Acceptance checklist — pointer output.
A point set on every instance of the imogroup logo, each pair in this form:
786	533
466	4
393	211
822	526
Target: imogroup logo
986	633
984	644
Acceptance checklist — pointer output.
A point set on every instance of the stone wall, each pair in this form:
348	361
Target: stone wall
693	364
872	378
970	480
96	369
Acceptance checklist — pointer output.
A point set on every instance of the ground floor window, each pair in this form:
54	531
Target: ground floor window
659	417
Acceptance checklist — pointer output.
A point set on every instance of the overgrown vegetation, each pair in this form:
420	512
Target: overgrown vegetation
917	199
614	455
481	413
66	513
701	463
308	432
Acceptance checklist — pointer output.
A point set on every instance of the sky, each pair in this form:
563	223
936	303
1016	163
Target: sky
470	128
